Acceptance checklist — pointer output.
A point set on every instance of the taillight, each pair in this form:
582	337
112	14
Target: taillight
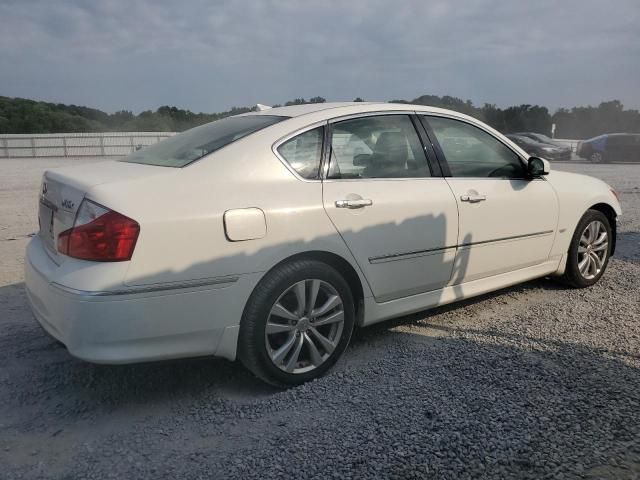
100	235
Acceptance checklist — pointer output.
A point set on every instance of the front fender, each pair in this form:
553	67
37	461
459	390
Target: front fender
576	194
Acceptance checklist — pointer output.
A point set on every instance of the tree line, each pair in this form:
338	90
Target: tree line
19	115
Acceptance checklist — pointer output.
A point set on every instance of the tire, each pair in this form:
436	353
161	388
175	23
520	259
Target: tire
597	157
275	302
574	274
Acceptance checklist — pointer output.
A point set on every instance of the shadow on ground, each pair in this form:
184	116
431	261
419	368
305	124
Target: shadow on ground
28	352
463	404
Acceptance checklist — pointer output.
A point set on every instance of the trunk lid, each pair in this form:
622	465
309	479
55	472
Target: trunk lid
62	191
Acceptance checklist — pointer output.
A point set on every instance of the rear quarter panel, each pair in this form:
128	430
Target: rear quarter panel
182	235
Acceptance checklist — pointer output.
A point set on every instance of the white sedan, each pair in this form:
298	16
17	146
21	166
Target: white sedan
269	236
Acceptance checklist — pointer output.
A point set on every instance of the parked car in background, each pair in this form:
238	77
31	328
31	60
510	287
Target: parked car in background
542	138
269	236
611	147
539	149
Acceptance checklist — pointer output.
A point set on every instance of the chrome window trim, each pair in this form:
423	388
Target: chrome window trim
328	123
289	136
519	179
382	179
491	134
480	127
353	116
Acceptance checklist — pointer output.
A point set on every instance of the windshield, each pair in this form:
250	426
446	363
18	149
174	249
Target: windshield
186	147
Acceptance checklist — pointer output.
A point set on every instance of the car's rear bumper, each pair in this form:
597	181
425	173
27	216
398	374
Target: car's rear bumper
128	326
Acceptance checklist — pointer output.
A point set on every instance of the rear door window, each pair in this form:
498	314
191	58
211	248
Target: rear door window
385	146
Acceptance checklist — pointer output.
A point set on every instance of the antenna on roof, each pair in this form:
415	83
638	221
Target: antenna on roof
261	107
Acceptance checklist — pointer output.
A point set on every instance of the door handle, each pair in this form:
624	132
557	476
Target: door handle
473	198
353	203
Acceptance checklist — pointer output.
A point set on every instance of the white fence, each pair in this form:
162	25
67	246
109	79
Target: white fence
76	144
572	144
96	144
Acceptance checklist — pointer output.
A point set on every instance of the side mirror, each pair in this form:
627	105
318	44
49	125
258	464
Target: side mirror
538	166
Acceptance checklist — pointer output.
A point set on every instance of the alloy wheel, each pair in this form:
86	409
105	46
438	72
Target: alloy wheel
593	249
305	325
596	157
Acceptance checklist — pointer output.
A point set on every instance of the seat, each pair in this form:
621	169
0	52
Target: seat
389	158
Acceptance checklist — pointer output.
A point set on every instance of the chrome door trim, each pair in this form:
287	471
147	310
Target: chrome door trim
158	287
503	239
431	251
405	255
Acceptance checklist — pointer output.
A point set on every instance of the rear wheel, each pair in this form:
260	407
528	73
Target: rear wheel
297	323
589	251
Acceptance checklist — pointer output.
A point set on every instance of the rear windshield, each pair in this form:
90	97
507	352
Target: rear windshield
189	146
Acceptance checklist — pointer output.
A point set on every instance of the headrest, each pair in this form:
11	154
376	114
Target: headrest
391	147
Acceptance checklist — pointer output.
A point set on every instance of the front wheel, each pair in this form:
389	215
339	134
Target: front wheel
297	323
596	157
589	251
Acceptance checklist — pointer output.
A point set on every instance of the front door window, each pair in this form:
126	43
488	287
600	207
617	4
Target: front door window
472	152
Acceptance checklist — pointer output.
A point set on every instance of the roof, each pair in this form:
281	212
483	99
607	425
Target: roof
297	110
337	109
300	116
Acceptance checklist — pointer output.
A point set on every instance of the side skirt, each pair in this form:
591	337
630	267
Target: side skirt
378	312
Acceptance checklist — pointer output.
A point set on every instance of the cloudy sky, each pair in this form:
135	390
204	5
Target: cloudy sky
209	55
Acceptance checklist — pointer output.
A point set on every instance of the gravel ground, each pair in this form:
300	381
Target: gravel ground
534	381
